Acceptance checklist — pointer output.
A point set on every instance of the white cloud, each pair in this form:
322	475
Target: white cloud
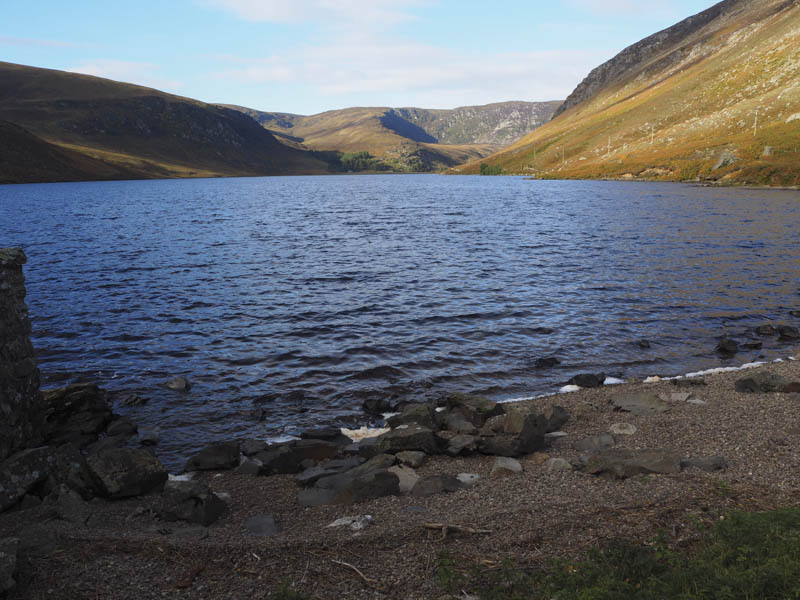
435	77
140	73
339	12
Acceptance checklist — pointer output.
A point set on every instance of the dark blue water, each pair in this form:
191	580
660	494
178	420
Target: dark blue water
301	297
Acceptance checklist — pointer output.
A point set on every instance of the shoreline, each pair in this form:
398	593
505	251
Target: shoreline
128	552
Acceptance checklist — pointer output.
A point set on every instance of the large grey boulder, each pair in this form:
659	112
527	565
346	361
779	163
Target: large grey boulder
368	487
20	472
289	457
412	458
641	405
364	482
8	563
619	463
421	414
556	417
474	408
191	501
459	445
456	422
124	472
436	484
762	382
75	414
215	457
69	506
407	437
523	433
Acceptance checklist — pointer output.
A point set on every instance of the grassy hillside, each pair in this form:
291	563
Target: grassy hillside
411	138
138	131
715	98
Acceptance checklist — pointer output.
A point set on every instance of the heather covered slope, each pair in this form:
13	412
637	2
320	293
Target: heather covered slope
410	138
138	131
715	98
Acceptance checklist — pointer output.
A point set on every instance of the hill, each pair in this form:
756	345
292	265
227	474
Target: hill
128	131
410	138
714	98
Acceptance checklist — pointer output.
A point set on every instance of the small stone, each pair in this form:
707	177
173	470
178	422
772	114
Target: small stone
436	484
679	397
557	464
538	458
179	384
355	523
412	458
505	466
262	526
213	457
623	429
468	480
640	405
695	401
643	344
555	435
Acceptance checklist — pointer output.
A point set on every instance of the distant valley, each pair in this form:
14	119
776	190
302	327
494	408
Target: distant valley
715	98
410	139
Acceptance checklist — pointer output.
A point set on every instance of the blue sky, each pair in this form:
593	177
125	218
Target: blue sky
308	56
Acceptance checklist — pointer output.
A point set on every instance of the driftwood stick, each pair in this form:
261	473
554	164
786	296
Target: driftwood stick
366	579
446	529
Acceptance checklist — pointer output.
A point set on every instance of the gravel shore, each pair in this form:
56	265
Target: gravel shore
125	551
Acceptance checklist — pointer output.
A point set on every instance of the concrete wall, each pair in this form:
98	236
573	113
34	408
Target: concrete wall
21	407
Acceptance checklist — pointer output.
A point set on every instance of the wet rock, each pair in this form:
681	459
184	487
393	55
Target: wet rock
505	467
547	362
594	443
215	457
278	459
709	464
20	472
766	330
588	380
106	443
329	434
377	406
411	437
262	526
641	405
621	463
316	450
556	417
314	474
436	484
623	429
557	464
761	382
380	462
412	458
124	472
9	547
191	501
69	506
644	344
364	482
787	333
249	466
461	445
76	414
407	478
250	447
727	347
419	414
150	437
179	384
121	426
355	523
752	346
523	432
475	409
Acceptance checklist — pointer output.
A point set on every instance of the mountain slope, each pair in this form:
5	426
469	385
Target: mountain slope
25	158
715	97
410	136
142	132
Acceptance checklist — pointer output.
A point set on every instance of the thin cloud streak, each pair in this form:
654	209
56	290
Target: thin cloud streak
331	12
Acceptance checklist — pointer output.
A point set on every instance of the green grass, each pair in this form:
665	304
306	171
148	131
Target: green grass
745	556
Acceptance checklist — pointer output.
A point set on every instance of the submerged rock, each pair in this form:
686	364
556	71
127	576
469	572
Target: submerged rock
787	333
588	380
179	384
547	362
727	347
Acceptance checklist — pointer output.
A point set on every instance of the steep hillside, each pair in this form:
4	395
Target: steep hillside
411	137
25	158
140	131
713	98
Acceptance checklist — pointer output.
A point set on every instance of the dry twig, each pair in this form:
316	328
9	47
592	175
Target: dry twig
367	580
446	529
